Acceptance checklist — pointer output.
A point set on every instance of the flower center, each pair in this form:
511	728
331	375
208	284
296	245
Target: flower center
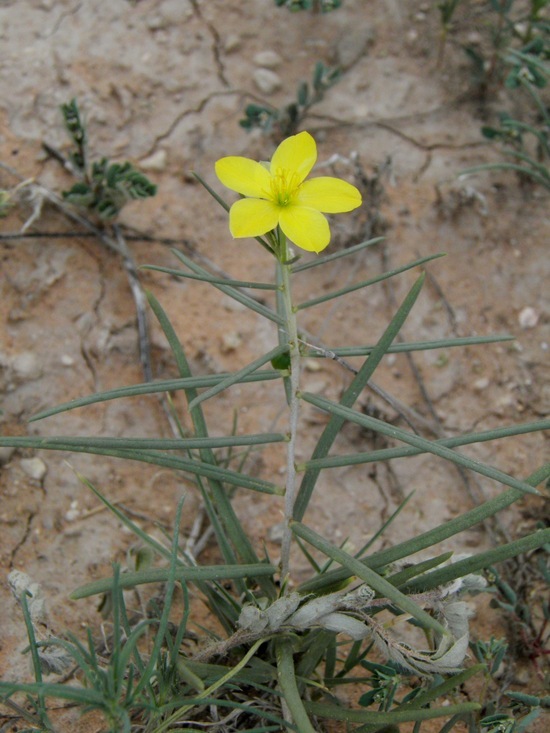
284	185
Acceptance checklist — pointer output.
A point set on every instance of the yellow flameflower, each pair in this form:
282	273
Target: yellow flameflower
277	194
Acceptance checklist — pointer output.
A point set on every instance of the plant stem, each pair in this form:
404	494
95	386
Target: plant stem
291	328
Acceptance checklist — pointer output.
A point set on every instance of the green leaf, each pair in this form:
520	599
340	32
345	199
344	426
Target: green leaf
336	255
431	537
442	690
289	687
232	292
351	394
366	283
369	576
412	571
386	454
482	560
210	279
337	712
167	385
185	574
417	441
60	442
207	468
239	375
218	505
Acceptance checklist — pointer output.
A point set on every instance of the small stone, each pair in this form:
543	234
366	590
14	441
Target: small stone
73	512
34	467
481	384
232	43
528	317
268	59
67	360
231	342
154	162
267	81
27	365
475	38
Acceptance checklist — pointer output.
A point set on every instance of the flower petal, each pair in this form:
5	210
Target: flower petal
252	217
244	176
330	195
307	228
296	154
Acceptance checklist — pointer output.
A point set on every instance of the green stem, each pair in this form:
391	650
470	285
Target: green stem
291	328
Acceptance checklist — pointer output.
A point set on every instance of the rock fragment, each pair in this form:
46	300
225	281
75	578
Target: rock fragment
268	59
267	81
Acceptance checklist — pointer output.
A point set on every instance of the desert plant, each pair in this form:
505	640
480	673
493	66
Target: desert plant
282	652
285	121
104	187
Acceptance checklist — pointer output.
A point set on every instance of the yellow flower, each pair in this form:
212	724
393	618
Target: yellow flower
278	194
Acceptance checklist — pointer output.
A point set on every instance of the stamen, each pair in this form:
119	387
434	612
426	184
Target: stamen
283	186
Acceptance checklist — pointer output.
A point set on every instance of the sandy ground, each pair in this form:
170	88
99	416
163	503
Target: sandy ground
163	83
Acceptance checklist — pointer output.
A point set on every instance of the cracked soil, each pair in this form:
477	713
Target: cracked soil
163	83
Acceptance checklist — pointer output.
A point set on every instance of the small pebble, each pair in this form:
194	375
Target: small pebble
27	365
481	384
154	162
67	360
231	342
34	467
268	59
528	317
73	513
267	81
232	43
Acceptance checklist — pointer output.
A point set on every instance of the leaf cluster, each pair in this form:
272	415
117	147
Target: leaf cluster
286	120
104	187
517	59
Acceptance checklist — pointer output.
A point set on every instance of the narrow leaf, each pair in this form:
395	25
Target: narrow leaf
289	686
61	442
336	255
232	292
375	581
162	575
425	445
350	396
166	385
431	537
238	376
223	507
336	712
211	279
386	454
406	347
366	283
479	562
